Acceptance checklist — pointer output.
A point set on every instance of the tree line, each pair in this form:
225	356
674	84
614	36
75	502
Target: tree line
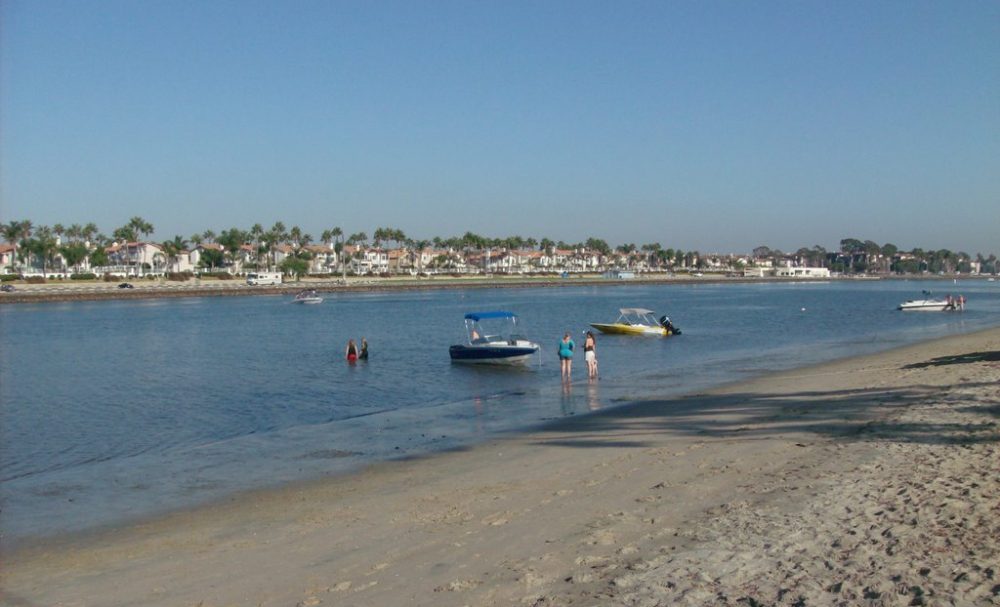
76	243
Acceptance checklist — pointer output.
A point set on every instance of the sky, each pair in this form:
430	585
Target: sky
715	125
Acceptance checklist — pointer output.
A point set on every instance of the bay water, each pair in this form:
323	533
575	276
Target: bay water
116	411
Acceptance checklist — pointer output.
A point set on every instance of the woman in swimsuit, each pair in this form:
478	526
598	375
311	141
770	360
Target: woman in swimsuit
590	355
566	355
352	351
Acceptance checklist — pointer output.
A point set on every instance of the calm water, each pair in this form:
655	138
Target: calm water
113	411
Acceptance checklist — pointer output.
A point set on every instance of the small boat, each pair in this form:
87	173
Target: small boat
638	321
926	305
932	305
307	297
493	341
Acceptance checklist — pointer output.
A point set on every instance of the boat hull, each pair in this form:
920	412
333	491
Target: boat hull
309	301
492	354
620	329
925	306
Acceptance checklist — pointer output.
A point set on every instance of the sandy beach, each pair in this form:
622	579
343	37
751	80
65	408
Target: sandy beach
868	481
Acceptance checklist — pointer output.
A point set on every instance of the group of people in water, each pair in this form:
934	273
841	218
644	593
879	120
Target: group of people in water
353	353
955	303
566	347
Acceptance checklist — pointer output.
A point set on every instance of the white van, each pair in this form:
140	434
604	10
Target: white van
264	278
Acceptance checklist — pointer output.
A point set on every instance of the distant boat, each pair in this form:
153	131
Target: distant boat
638	321
927	305
933	304
307	297
494	341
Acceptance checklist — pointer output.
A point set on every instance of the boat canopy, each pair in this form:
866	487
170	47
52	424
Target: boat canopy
477	316
639	311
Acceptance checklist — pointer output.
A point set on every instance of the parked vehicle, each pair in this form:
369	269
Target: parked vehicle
264	278
7	288
125	285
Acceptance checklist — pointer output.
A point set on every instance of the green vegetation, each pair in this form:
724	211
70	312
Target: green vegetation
57	250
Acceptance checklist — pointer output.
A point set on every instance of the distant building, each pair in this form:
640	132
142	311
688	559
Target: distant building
6	257
795	272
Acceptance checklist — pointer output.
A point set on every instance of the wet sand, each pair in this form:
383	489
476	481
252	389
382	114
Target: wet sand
868	481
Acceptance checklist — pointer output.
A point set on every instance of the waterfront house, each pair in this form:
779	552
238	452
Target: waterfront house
366	259
323	258
198	259
7	263
399	261
135	259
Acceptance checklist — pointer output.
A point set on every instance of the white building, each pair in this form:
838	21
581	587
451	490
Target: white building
795	272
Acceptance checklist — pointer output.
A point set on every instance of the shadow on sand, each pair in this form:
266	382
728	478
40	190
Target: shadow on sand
850	414
961	359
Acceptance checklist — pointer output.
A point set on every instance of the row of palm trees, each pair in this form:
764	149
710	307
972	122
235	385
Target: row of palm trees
76	243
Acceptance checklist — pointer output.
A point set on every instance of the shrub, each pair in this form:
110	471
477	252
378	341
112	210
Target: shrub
179	276
9	277
84	276
35	280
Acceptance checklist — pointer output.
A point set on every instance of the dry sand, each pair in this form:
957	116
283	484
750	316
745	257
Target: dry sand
869	481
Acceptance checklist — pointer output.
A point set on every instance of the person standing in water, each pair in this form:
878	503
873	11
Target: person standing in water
363	355
590	355
566	346
352	351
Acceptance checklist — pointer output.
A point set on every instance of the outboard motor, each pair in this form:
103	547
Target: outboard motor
666	324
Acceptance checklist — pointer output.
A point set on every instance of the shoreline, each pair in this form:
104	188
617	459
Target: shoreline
61	292
664	500
66	291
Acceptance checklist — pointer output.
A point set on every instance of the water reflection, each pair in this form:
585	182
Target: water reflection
593	395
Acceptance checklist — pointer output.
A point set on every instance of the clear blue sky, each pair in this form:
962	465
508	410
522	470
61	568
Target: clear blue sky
716	126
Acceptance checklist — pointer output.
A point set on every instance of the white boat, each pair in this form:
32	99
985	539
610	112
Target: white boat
925	305
307	297
493	342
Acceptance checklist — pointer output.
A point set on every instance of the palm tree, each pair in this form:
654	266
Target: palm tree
74	232
140	226
43	245
89	231
275	236
255	233
419	247
172	248
338	247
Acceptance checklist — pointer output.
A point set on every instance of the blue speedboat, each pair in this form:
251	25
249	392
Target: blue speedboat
493	339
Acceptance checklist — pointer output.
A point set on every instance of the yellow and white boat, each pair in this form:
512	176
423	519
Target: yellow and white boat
638	321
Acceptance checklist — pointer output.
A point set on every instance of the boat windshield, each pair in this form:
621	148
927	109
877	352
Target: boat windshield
490	327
